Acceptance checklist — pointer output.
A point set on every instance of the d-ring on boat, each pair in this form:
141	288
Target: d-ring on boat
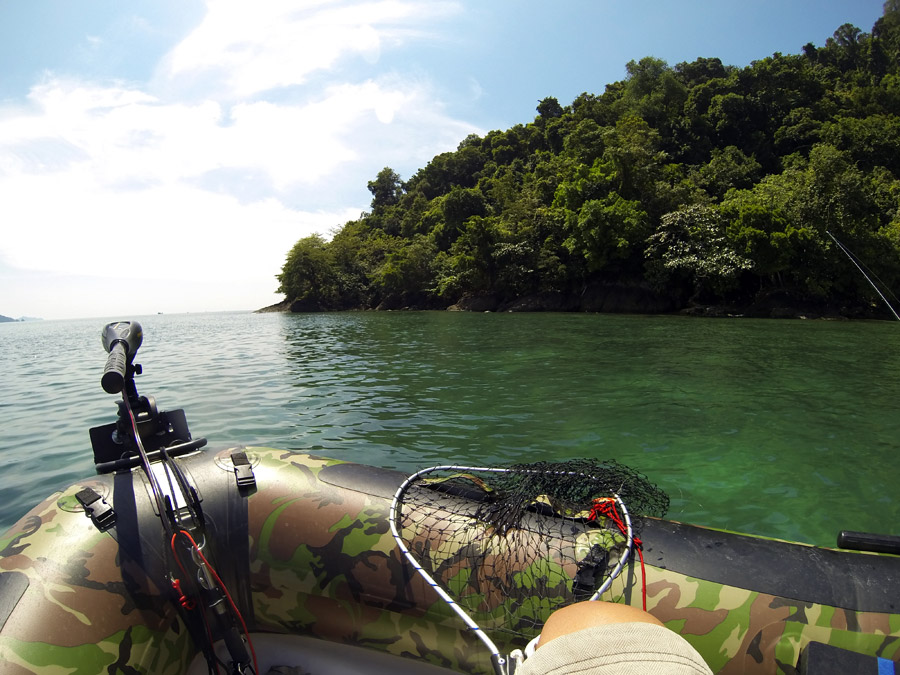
177	558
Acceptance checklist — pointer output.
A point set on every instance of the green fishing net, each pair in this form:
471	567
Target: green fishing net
510	545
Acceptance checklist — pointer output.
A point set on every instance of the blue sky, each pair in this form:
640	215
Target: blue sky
164	155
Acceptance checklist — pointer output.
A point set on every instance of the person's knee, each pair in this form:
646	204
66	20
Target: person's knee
588	614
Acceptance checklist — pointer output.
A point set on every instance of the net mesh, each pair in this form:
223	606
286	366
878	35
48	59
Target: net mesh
512	545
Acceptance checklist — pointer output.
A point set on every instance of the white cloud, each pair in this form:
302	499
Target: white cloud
100	182
121	136
109	179
172	231
255	47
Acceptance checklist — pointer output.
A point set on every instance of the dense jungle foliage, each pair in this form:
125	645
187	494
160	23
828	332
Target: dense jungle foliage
700	183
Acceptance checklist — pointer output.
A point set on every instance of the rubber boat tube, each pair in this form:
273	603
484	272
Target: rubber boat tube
312	566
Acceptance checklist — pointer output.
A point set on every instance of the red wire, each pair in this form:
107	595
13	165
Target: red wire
219	581
606	506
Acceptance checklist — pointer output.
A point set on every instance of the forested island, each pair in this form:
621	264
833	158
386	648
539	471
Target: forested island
701	187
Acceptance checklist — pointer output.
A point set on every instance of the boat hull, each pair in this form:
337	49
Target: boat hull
309	553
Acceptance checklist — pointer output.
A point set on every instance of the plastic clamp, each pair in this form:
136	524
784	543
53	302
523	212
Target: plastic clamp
243	472
95	507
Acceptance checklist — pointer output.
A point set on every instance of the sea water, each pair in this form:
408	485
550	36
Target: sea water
786	429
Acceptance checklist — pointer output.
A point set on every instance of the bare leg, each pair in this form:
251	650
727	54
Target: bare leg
593	613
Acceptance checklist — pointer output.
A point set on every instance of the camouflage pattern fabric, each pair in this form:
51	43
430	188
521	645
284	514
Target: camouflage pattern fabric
81	613
323	563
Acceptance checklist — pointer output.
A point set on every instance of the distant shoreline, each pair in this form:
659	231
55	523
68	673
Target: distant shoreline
21	319
771	308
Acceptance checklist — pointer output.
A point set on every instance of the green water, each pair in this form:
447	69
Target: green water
781	428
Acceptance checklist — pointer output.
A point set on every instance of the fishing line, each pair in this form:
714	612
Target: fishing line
860	266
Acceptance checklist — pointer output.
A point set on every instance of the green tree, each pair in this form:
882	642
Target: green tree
632	153
585	142
844	48
308	275
871	141
607	229
458	205
653	92
799	131
887	30
690	248
729	168
731	117
386	189
406	274
766	238
468	267
549	108
700	71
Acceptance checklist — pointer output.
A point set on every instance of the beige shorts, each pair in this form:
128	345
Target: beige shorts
620	648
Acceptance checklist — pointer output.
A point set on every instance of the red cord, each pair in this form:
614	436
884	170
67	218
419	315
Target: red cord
640	551
606	506
221	584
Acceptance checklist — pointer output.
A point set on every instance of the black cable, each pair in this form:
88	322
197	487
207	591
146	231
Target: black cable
145	464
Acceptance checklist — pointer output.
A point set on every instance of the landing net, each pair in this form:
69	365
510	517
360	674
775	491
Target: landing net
510	545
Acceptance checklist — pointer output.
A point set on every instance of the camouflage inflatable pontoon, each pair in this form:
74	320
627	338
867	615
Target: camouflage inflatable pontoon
189	559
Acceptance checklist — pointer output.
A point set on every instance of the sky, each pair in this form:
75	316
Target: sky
164	155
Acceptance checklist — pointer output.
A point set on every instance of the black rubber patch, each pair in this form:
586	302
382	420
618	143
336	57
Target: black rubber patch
821	659
12	587
855	581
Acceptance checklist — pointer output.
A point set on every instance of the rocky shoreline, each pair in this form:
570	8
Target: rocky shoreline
626	299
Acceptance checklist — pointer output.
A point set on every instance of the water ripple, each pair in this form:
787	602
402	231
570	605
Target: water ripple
781	428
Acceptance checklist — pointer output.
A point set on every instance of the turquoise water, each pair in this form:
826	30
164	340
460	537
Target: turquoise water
787	429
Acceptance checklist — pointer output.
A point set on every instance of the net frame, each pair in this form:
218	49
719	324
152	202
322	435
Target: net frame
503	665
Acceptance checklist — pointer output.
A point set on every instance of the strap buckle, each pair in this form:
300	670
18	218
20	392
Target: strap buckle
243	472
95	507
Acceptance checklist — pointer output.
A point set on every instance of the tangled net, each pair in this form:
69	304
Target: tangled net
511	545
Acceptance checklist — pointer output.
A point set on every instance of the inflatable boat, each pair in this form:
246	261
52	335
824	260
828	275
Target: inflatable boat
176	558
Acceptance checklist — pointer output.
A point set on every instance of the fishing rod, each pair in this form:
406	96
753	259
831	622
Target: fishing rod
867	541
859	266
